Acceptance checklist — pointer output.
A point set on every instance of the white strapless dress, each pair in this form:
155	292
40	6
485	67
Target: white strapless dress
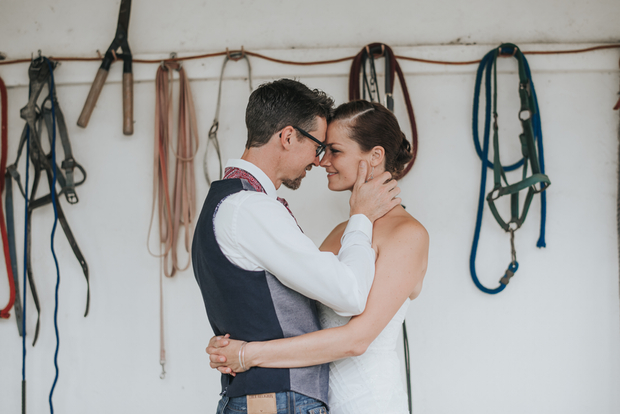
373	382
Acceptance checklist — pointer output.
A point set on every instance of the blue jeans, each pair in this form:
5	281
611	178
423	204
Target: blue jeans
287	403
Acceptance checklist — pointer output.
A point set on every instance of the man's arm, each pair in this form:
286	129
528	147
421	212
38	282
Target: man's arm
261	234
267	236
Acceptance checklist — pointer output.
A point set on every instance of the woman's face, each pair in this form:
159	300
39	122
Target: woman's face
342	158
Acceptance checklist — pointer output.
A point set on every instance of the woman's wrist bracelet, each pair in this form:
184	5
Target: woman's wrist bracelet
242	355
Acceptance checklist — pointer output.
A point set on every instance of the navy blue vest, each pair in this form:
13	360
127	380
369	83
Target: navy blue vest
252	306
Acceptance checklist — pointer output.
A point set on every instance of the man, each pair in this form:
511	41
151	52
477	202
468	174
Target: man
258	273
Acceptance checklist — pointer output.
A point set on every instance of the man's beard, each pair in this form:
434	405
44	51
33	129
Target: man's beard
296	182
293	184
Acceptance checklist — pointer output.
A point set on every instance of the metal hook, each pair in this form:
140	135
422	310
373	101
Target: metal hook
163	370
235	55
173	56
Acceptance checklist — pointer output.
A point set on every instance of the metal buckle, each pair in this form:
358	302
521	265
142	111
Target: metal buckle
527	87
491	197
68	164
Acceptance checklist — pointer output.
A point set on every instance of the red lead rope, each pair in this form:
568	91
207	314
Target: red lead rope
4	313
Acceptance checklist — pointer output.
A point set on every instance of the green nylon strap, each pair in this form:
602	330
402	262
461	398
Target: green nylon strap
530	181
528	149
520	220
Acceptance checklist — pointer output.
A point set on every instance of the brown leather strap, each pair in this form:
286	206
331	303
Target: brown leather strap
383	50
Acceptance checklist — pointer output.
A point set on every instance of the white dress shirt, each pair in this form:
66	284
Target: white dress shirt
256	232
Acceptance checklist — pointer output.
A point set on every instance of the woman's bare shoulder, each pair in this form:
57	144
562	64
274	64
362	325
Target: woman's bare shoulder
399	227
332	242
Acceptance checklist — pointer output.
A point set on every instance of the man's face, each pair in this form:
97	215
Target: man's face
304	156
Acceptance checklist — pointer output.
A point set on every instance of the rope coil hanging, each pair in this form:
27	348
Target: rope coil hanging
179	210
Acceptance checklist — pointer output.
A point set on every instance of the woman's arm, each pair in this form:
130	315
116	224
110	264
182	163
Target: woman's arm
400	269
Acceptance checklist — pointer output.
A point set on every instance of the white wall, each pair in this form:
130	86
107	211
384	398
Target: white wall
548	343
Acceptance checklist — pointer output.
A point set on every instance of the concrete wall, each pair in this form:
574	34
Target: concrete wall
549	343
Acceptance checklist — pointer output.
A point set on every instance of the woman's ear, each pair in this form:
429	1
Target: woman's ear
377	155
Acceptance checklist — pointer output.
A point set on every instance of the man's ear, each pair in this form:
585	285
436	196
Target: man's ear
286	137
377	155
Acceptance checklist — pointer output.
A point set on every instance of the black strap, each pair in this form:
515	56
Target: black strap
407	365
10	231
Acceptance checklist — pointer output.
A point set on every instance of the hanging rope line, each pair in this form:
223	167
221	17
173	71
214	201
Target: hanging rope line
317	62
26	249
55	205
179	210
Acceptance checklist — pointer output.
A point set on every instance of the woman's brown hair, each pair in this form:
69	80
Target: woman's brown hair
370	124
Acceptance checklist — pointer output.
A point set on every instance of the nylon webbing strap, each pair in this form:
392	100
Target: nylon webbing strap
5	312
212	139
366	57
530	138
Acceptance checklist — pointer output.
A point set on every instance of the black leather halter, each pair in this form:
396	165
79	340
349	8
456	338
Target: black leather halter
36	118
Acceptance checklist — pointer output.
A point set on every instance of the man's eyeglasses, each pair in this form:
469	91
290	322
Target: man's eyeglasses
320	149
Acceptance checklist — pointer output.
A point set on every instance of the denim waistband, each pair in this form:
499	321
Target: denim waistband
288	402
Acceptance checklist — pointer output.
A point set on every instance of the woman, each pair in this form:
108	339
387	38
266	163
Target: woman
364	375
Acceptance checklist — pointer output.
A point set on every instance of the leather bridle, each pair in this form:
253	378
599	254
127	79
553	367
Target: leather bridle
212	137
370	87
36	117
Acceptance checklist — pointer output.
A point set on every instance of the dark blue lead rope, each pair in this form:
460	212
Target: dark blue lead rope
541	158
54	203
483	153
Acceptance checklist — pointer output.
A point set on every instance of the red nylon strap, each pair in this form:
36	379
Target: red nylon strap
4	313
354	91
